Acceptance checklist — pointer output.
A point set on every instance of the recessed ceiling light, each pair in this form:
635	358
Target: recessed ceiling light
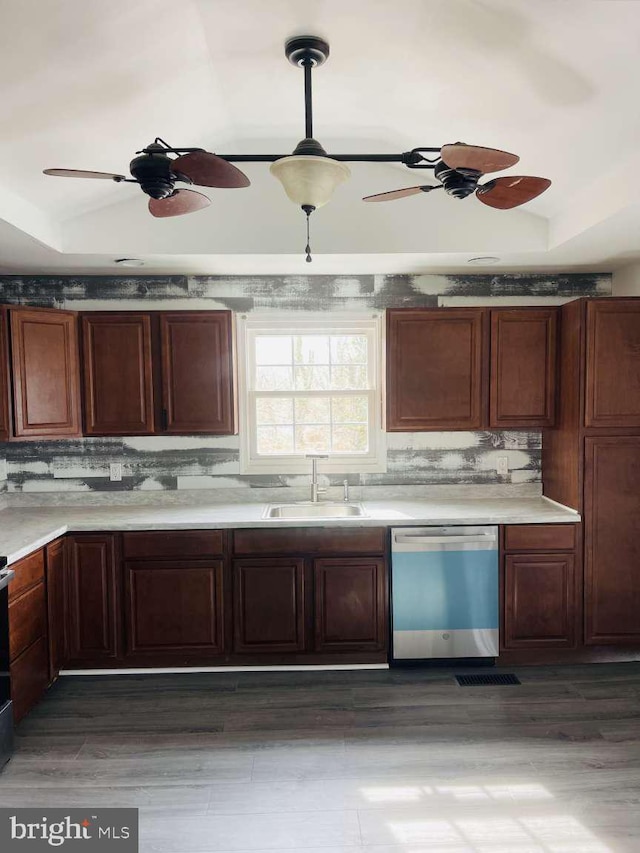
483	260
129	262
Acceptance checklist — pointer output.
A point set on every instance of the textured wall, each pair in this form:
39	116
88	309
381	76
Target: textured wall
170	463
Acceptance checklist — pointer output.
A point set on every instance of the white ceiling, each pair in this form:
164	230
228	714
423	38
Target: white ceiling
85	83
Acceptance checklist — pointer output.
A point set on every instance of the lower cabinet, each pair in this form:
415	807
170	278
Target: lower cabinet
56	606
539	601
350	604
94	599
269	605
29	674
28	644
612	546
541	587
174	607
211	597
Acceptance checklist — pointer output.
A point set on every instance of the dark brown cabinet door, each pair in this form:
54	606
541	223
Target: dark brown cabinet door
350	604
94	599
174	607
197	372
613	363
56	607
612	540
44	360
523	367
27	619
268	605
540	601
29	678
117	368
4	376
435	369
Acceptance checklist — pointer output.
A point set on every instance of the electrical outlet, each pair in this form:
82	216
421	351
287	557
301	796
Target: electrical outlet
502	465
115	472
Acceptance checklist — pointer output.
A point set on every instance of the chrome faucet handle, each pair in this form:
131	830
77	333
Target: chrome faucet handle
316	455
345	484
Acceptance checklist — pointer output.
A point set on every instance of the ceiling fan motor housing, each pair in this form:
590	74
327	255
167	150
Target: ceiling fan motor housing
458	183
154	173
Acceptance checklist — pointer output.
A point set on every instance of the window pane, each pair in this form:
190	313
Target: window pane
312	410
312	378
273	349
311	349
274	378
349	349
272	410
344	377
350	439
350	410
274	439
311	439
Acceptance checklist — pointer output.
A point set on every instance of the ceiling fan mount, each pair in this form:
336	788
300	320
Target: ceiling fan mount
309	175
306	50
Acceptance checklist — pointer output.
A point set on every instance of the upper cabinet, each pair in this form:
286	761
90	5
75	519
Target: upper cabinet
435	369
523	367
148	374
118	388
4	376
612	396
197	372
445	372
44	373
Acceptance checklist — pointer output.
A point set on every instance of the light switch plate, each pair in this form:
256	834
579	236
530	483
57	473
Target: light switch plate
502	465
115	472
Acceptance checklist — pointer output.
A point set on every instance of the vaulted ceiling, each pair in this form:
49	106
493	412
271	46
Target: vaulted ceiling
86	83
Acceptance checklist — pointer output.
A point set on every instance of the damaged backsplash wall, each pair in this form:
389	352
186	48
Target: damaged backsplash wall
195	462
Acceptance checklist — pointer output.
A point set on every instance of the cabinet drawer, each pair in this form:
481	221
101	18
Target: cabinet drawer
27	620
540	537
309	540
173	544
29	572
29	678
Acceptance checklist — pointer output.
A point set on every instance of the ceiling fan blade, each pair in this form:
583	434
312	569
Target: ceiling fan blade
512	191
461	156
81	173
403	193
208	170
179	202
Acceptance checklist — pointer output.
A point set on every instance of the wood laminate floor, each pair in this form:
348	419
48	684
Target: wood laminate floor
399	761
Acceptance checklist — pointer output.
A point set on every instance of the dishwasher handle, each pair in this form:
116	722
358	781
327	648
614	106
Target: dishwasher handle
477	539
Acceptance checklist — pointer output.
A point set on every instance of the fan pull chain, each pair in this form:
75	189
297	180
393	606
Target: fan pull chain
308	209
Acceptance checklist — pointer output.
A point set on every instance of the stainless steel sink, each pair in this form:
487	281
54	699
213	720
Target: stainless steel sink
315	510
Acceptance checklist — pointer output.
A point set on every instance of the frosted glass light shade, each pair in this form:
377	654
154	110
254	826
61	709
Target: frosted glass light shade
309	180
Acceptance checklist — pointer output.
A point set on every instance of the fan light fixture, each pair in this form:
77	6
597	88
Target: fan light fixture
309	175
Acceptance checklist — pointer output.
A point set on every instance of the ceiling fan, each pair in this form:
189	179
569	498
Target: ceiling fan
309	175
157	174
460	167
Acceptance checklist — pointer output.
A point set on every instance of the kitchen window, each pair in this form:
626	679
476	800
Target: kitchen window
311	384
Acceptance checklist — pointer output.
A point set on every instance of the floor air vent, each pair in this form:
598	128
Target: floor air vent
478	680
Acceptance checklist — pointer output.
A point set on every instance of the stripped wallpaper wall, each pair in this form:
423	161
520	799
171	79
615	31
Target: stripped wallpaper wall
179	463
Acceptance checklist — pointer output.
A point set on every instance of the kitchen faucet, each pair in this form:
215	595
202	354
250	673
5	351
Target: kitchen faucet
315	490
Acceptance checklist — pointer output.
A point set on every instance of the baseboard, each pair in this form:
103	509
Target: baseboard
170	670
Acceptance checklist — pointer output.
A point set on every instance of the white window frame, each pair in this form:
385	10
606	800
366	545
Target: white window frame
251	325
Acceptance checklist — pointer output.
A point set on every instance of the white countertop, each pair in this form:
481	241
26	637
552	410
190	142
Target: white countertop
23	530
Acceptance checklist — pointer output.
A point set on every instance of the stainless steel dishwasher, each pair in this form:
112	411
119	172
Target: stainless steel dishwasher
444	592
